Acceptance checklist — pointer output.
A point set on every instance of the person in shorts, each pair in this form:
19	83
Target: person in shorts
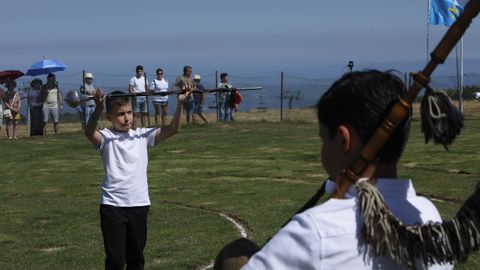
11	99
160	103
198	99
52	103
86	108
138	84
179	83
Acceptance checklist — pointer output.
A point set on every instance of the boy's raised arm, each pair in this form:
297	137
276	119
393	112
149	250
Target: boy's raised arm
91	129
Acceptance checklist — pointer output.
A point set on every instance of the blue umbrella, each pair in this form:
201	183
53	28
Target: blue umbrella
45	66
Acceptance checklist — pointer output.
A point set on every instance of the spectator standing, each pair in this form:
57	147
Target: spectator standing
52	103
35	104
180	82
225	109
198	98
86	109
160	103
2	93
138	84
11	99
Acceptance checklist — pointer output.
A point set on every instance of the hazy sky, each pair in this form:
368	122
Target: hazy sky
246	36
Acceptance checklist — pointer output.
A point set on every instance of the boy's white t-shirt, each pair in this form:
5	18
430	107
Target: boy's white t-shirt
125	160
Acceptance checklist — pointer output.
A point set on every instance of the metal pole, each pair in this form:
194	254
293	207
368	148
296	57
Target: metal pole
85	102
428	29
29	123
146	100
281	96
460	74
217	97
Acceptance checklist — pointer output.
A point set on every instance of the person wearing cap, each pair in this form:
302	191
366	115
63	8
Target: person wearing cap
180	82
35	104
138	84
225	109
86	109
198	99
52	100
328	235
160	103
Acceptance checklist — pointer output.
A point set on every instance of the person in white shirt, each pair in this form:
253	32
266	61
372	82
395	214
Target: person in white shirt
86	108
138	84
328	236
124	202
225	109
160	103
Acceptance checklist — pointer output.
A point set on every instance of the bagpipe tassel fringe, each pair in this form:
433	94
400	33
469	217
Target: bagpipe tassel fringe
431	243
441	120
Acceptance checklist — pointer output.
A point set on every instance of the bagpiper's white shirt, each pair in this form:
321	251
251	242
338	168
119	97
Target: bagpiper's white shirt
125	161
327	236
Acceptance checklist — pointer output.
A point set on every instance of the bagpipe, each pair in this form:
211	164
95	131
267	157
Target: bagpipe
73	98
434	243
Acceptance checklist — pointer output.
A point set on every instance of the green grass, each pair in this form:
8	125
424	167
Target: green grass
258	172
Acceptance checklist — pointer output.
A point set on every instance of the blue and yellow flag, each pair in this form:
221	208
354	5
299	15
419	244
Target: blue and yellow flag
444	12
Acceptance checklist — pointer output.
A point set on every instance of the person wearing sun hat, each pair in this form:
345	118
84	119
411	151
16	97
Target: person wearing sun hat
86	109
198	99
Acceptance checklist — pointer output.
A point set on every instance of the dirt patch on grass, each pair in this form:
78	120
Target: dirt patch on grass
178	170
290	181
51	190
176	151
410	165
52	249
270	149
317	175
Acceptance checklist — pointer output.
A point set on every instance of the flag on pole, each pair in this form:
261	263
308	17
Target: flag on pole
444	12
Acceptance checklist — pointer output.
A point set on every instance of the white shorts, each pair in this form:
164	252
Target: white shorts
53	112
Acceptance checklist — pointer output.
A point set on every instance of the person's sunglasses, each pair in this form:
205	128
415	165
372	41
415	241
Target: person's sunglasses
160	73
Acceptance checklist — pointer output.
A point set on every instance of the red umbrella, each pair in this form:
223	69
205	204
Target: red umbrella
10	75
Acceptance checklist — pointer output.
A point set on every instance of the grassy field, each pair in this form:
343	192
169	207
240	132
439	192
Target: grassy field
256	170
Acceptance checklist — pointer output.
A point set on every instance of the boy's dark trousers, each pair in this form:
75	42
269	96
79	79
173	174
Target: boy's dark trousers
124	232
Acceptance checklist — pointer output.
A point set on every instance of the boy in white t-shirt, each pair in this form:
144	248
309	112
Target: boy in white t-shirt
124	202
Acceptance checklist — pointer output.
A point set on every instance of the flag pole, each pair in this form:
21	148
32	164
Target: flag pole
428	29
459	62
460	74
